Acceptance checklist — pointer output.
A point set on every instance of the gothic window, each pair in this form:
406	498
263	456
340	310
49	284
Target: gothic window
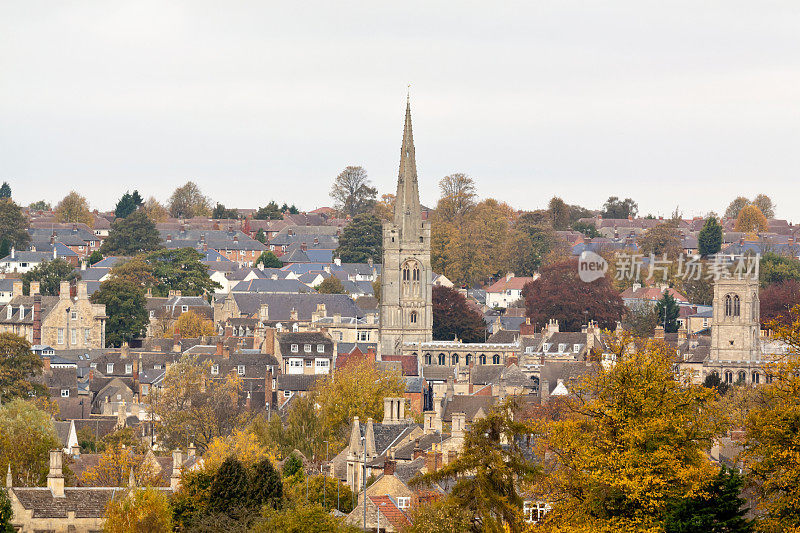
495	359
468	358
736	305
756	378
728	305
742	377
482	359
427	358
413	317
441	359
415	274
753	308
406	272
728	376
454	359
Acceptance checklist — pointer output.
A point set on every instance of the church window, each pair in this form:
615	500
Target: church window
742	377
728	376
728	305
756	378
441	359
736	305
454	359
482	359
495	359
413	317
427	358
416	274
468	358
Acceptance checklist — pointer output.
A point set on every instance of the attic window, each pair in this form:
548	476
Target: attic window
109	368
184	308
320	348
546	347
562	348
404	502
129	369
214	370
307	348
295	348
65	393
240	370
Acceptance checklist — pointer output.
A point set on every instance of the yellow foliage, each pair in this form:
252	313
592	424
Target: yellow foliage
191	325
115	466
751	220
242	444
74	208
138	511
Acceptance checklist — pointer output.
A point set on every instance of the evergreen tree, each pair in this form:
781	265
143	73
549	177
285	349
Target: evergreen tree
96	257
271	211
718	509
128	204
13	225
131	235
361	240
292	465
261	236
266	487
125	307
668	305
710	239
5	190
269	260
229	490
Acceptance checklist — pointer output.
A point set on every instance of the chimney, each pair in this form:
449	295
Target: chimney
417	453
9	479
433	461
459	425
293	314
37	318
429	422
125	350
263	313
191	451
46	364
169	238
13	253
55	478
544	390
659	334
228	331
369	439
388	466
35	288
63	292
303	247
176	341
220	347
177	463
83	292
226	352
16	288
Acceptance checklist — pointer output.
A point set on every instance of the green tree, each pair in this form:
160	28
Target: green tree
713	381
304	518
668	306
718	508
318	490
352	192
145	510
229	490
292	465
558	211
96	257
487	475
131	235
774	268
709	241
361	240
40	205
331	285
5	190
640	319
128	204
736	206
19	368
266	487
441	516
221	212
27	435
126	310
6	513
269	260
74	208
261	236
49	274
531	243
180	270
271	211
454	317
13	226
661	240
188	201
587	228
616	208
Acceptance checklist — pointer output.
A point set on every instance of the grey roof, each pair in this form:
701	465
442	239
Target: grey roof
94	273
77	236
84	502
23	256
387	435
281	305
570	372
280	286
297	382
469	405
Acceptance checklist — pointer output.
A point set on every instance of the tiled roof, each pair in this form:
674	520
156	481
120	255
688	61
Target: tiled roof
85	502
388	509
504	284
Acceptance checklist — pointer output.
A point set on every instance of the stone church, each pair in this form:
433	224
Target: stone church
406	313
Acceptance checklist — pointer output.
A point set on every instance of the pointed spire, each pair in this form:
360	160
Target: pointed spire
369	439
9	479
407	212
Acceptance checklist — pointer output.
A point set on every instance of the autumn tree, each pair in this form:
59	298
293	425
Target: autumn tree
631	440
454	317
188	201
487	475
439	516
136	270
661	240
777	300
751	220
322	490
13	226
74	208
19	368
222	212
154	210
616	208
560	294
531	243
115	466
765	205
331	285
306	518
775	268
384	208
6	512
640	319
49	274
268	259
40	205
352	192
27	435
736	206
709	241
361	240
126	310
131	235
127	204
458	197
138	511
558	212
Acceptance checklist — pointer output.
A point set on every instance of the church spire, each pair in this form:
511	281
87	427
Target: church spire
407	212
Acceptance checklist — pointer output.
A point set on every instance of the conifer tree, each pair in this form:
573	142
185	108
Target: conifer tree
229	490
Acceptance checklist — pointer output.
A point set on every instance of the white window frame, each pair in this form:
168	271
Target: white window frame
109	368
287	393
295	348
240	370
320	348
128	368
307	348
214	370
403	502
65	393
184	308
60	335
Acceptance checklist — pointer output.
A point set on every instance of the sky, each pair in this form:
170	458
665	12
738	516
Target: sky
674	104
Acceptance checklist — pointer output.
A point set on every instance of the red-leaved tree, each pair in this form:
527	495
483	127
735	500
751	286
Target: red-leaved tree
561	295
453	316
776	301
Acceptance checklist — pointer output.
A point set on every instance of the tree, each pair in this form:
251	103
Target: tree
616	208
361	240
271	211
266	487
331	285
765	205
453	317
770	446
242	444
558	212
587	228
661	240
180	270
439	516
229	490
128	204
709	241
531	243
322	490
131	235
777	300
630	440
384	209
126	310
560	294
49	274
74	208
717	508
292	465
19	367
640	320
13	226
27	435
736	206
154	210
668	307
115	466
487	475
352	192
775	268
5	190
6	512
458	197
751	220
301	519
139	511
269	260
291	209
261	236
95	257
713	381
191	325
136	270
221	212
40	205
187	201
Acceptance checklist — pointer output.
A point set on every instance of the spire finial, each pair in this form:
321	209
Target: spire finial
408	94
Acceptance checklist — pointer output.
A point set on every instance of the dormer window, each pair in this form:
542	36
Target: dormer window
577	348
184	308
562	348
129	369
295	348
109	368
320	348
307	348
240	370
214	370
546	347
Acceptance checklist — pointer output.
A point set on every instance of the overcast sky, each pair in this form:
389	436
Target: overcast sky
683	104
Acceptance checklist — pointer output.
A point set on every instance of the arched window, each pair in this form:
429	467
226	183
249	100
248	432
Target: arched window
482	359
754	308
496	359
406	272
728	376
769	378
295	327
736	303
415	274
756	378
728	305
468	358
427	358
413	317
454	359
441	359
742	377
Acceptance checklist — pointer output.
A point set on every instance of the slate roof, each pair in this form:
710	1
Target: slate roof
387	435
469	405
48	302
85	502
297	382
570	372
281	305
275	286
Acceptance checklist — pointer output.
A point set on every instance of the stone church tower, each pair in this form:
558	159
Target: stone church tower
736	320
406	311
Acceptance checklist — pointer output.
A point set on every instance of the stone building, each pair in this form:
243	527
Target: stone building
63	322
406	313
